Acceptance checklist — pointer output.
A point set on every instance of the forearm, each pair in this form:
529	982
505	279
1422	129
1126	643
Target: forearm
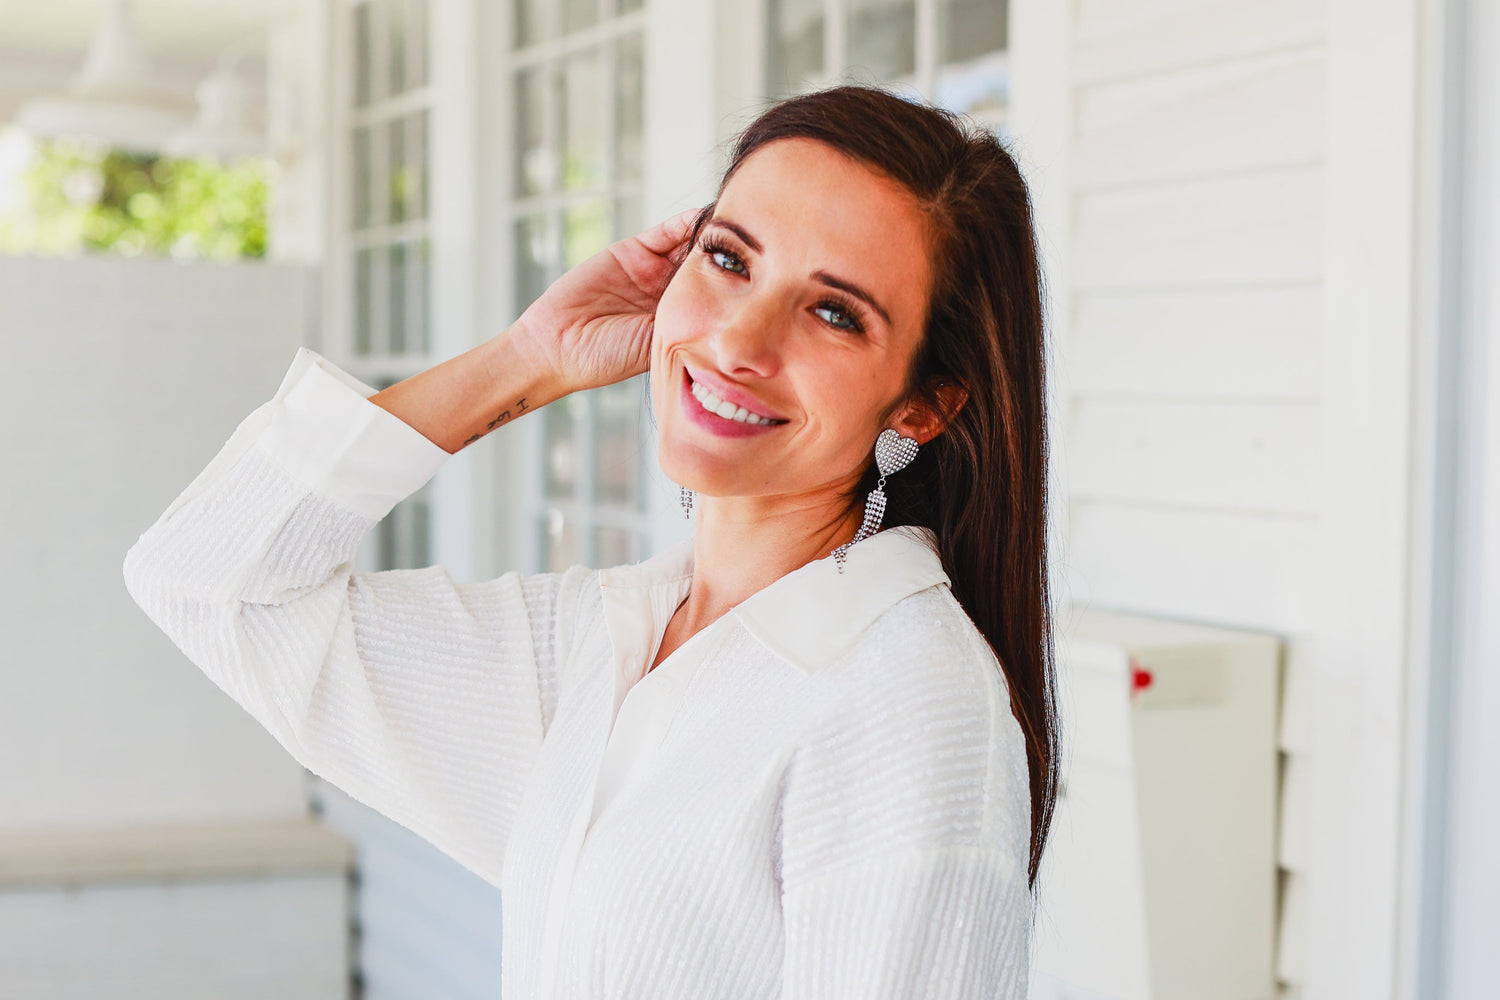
459	401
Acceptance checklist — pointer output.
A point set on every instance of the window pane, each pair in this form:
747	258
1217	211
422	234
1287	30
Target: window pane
396	170
560	423
416	44
396	289
364	167
362	45
582	122
532	22
613	547
372	278
617	443
579	14
418	296
395	35
417	157
404	535
585	231
971	28
628	108
420	538
363	285
535	163
979	88
629	217
559	543
406	145
796	44
536	256
882	37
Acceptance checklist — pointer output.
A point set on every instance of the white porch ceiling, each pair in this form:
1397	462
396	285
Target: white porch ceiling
189	30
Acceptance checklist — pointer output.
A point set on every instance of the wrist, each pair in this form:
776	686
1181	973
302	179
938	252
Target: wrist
519	365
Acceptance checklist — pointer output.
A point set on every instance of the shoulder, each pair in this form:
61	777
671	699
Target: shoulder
923	655
916	746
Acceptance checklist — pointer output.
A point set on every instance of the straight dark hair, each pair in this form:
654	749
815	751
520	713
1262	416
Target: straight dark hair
980	485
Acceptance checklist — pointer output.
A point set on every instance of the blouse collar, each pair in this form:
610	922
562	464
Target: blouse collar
807	617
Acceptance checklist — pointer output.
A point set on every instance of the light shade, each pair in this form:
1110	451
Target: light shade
114	98
226	126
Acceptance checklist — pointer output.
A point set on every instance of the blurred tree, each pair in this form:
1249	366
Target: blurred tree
74	197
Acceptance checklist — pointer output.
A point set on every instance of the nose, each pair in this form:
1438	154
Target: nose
747	337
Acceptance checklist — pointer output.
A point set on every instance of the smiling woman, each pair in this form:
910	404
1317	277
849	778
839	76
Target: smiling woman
797	756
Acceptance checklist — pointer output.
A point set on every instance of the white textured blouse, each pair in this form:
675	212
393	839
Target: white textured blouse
824	794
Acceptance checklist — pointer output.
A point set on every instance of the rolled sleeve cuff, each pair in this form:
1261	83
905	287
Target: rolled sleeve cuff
324	431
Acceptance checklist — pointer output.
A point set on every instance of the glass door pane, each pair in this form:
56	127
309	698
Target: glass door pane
617	443
796	44
583	162
968	29
882	39
536	162
629	112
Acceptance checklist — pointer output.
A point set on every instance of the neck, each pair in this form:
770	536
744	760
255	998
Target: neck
743	544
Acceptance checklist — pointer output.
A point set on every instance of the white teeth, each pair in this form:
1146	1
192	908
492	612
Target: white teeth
723	408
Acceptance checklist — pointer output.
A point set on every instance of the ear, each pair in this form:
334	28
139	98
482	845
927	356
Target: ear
926	415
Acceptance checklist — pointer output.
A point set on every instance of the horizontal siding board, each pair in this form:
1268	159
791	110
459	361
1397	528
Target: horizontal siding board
1242	456
1248	230
1246	114
429	926
1113	39
1233	569
1257	343
447	921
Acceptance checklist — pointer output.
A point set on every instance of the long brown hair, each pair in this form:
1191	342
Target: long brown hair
980	485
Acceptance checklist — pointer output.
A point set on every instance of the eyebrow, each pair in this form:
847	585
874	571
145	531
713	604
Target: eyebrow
832	281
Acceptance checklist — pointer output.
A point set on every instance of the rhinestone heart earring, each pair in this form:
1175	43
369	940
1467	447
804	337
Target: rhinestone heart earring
893	452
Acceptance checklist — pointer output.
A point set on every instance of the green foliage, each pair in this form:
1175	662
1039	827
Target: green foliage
76	198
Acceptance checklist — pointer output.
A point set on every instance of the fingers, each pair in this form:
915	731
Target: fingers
667	236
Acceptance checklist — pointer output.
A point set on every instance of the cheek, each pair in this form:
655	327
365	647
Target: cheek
673	324
684	313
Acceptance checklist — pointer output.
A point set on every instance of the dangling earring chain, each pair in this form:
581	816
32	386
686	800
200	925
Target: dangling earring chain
893	452
685	497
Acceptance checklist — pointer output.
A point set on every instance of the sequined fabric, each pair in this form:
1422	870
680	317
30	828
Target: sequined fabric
827	799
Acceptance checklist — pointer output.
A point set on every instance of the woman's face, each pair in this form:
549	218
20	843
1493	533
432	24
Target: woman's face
798	311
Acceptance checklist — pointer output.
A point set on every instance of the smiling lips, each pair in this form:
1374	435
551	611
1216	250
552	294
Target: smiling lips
720	415
726	409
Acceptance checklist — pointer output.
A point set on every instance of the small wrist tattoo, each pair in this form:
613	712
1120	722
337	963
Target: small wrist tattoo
500	418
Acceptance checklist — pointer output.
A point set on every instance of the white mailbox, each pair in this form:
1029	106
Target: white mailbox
1160	879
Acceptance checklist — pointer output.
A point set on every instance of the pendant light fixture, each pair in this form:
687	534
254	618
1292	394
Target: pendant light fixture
226	127
115	99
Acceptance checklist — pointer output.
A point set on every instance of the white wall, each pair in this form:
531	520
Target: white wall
122	379
1227	192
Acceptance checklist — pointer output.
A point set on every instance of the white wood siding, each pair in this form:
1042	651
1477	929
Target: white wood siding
1226	193
1190	241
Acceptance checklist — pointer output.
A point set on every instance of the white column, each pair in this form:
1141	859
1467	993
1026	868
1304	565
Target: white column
1362	618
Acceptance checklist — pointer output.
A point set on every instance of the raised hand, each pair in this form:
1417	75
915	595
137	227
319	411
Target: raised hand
593	325
591	328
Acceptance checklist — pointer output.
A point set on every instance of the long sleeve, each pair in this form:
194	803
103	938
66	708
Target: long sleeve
424	698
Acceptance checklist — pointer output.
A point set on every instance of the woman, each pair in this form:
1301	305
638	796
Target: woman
809	754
